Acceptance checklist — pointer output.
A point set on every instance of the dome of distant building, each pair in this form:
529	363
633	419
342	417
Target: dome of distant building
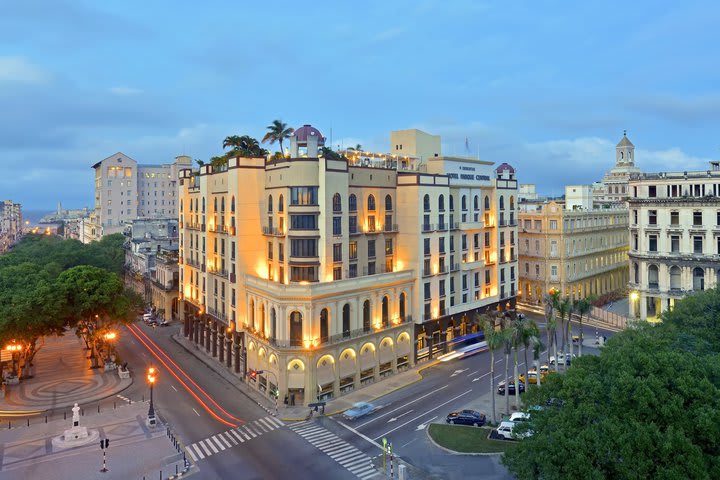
308	131
505	167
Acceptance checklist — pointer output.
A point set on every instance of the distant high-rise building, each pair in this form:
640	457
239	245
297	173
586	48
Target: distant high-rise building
11	224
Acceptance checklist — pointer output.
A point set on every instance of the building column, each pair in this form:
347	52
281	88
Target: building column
220	342
186	326
207	336
228	346
236	352
196	329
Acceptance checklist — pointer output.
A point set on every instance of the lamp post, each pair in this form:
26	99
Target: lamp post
151	377
276	393
109	338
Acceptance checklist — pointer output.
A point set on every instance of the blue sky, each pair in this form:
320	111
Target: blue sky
546	86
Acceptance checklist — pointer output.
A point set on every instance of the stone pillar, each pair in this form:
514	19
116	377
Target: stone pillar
215	338
228	346
206	325
236	352
196	330
186	326
336	383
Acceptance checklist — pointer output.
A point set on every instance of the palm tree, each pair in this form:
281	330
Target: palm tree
277	132
517	329
356	148
199	162
564	308
507	344
495	339
583	307
551	323
529	331
537	348
232	141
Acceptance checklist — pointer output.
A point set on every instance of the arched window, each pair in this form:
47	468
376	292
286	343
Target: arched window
262	320
388	203
452	203
675	278
476	203
512	203
296	329
232	204
653	276
402	307
441	203
426	203
371	203
487	202
366	316
502	202
281	204
636	273
385	311
352	203
324	326
463	203
222	204
273	324
337	203
270	204
698	279
346	320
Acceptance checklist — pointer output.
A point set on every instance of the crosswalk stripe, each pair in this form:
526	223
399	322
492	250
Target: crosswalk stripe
344	455
237	435
212	445
192	455
276	421
207	450
315	435
353	463
222	437
227	434
369	475
311	428
358	469
260	428
247	437
199	452
269	425
325	443
333	454
322	438
251	431
219	443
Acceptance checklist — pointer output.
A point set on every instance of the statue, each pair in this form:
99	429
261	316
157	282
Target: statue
76	415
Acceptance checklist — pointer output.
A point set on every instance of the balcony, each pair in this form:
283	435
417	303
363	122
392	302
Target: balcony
273	232
353	230
217	314
472	225
454	225
427	272
167	286
427	227
340	337
195	226
192	263
442	226
472	264
218	229
391	228
219	273
454	268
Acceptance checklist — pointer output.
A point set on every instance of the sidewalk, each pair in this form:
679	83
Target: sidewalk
134	451
587	321
62	378
299	413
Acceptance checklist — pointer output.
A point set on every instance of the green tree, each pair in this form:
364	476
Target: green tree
564	307
582	307
495	339
551	323
277	132
529	332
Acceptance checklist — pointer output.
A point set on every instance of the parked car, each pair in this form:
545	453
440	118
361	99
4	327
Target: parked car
505	430
577	339
554	402
358	410
532	375
466	417
519	417
510	389
563	359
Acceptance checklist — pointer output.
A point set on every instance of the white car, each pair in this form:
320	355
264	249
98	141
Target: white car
505	430
563	359
519	417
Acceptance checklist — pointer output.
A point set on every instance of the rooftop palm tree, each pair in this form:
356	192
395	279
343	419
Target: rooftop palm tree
277	132
232	141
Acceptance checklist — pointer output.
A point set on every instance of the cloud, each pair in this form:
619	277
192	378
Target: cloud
18	70
388	34
125	91
696	109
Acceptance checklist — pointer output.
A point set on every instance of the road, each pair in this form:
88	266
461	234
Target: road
404	415
224	432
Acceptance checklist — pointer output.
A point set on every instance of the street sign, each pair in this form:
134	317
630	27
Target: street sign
6	356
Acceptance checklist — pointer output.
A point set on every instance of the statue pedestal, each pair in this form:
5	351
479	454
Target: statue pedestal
75	437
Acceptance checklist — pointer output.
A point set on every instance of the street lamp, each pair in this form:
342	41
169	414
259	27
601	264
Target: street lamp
151	380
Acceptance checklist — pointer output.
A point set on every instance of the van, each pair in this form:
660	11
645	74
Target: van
505	430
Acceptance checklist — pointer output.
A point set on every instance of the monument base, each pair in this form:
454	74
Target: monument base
75	437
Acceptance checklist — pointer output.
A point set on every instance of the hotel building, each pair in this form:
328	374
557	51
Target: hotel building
675	238
331	273
571	247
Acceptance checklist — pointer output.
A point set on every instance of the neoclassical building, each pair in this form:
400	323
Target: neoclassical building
613	189
331	272
674	237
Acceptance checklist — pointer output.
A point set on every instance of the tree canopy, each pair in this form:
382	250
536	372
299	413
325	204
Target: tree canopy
647	407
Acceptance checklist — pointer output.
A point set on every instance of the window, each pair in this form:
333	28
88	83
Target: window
352	249
352	272
389	223
442	245
270	204
697	244
337	252
674	244
553	270
476	241
371	268
487	277
426	245
303	222
652	243
487	239
476	203
464	282
427	291
337	225
652	191
635	217
697	218
652	217
426	203
337	203
371	223
441	203
270	251
463	203
337	273
388	246
674	218
371	248
442	288
303	196
303	274
388	203
502	202
352	203
352	224
635	241
464	241
303	247
281	204
371	203
553	224
281	252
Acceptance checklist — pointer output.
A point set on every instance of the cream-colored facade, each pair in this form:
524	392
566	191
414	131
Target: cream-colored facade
578	252
674	238
331	274
11	224
126	190
415	143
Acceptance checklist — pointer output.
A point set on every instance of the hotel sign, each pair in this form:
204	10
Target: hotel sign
467	173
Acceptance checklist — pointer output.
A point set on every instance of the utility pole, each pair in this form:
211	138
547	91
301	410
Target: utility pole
104	443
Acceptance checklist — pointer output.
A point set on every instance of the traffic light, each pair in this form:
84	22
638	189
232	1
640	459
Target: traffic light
274	392
104	443
252	374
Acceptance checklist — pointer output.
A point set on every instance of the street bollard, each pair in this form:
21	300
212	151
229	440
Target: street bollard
143	397
114	405
160	474
401	472
45	418
64	415
176	469
98	408
28	422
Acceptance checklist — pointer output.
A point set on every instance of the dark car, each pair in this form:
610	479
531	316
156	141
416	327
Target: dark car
466	417
511	388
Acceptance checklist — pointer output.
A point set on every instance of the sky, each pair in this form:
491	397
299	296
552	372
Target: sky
547	86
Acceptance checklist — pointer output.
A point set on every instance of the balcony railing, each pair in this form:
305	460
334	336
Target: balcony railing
454	225
273	232
427	272
218	229
391	227
340	337
217	314
167	286
192	263
354	230
427	227
219	273
442	226
195	226
454	267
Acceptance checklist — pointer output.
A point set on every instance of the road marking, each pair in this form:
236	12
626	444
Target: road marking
365	437
247	437
232	439
173	387
481	376
207	450
260	428
251	431
222	437
403	406
199	452
401	415
422	426
458	372
212	445
237	435
263	421
196	412
279	422
411	441
473	373
422	415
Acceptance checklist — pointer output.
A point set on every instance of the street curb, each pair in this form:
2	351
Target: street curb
454	452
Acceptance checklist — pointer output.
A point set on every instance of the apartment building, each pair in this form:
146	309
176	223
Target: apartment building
572	247
675	238
329	274
126	190
11	224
